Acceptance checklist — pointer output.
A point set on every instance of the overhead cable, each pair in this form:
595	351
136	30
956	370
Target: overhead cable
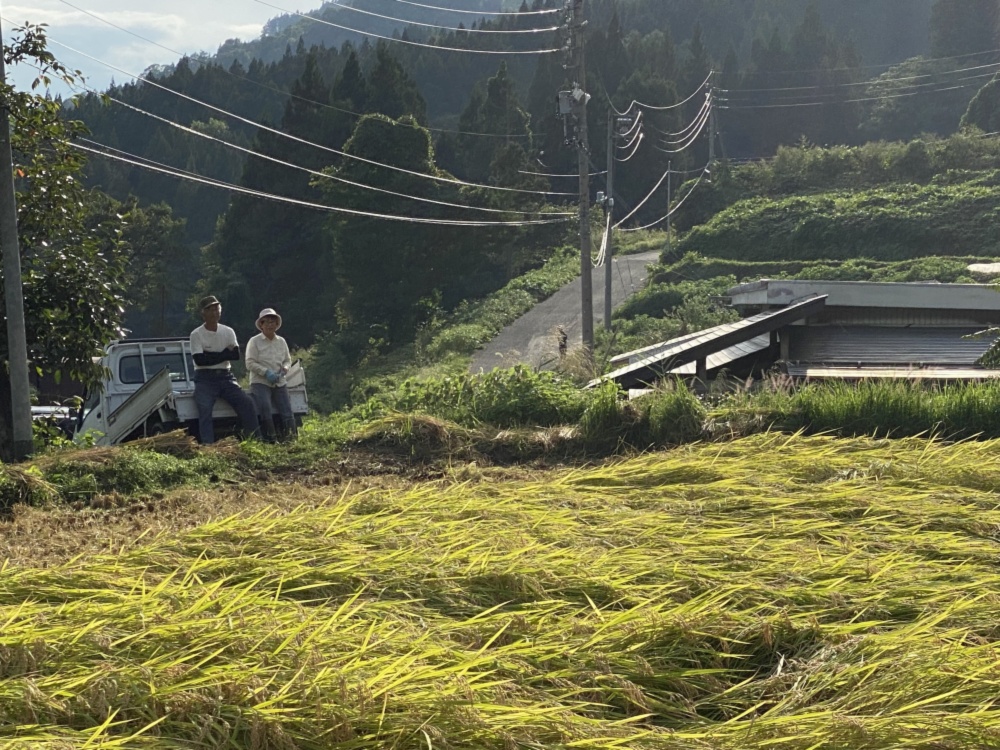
306	204
684	145
400	40
602	256
645	200
638	142
871	82
657	108
883	97
626	146
882	66
274	89
635	124
546	12
575	175
338	4
709	101
672	211
313	172
289	136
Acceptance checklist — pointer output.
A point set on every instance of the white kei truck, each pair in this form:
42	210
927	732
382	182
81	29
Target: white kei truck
149	389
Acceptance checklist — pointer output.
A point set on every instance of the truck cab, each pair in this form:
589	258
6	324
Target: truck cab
148	388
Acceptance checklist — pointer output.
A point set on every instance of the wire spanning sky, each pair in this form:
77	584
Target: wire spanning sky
187	25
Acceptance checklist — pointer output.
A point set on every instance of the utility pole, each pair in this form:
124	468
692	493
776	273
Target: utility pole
609	206
670	167
713	126
580	98
17	344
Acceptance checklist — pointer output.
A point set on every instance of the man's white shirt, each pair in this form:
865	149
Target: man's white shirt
204	341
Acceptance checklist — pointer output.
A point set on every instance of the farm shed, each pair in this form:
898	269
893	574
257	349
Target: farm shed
832	330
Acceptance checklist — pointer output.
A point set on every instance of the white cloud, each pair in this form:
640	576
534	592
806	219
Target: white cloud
188	26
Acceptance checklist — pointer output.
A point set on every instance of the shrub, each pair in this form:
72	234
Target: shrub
674	415
504	398
606	419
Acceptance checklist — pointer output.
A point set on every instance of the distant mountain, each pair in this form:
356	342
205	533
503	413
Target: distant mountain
285	31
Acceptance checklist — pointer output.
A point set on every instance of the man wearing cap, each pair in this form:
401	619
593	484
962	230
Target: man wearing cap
213	347
268	361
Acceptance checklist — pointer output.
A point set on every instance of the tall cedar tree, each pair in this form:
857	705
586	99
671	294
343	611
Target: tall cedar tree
269	254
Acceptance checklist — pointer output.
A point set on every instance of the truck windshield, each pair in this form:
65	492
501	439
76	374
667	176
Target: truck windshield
130	367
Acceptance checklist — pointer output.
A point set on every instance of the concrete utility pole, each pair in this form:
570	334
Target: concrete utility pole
580	98
609	203
17	344
670	168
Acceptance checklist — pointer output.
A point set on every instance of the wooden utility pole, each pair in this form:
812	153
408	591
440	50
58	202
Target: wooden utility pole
17	345
580	98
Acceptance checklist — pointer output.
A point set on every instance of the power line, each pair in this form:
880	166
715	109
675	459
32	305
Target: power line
673	210
691	139
848	101
306	204
322	175
484	12
871	82
315	173
408	41
273	89
337	4
638	143
881	66
709	101
296	139
637	103
547	174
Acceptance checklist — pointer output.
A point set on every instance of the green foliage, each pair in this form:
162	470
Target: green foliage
984	109
689	307
607	418
137	472
502	398
694	267
674	415
809	169
72	267
890	223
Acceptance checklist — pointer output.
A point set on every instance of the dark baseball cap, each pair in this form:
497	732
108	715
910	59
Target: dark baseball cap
208	301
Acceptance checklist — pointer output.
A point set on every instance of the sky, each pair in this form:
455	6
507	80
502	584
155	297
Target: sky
187	26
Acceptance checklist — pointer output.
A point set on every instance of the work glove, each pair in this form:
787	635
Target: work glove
272	377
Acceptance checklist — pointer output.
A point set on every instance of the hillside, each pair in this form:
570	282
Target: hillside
840	593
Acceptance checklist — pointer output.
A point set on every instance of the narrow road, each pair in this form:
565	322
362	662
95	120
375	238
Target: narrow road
533	339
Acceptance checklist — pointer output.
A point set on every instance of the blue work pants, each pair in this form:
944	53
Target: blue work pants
210	385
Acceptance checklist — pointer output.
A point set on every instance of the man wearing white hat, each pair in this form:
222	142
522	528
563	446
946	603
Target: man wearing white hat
268	360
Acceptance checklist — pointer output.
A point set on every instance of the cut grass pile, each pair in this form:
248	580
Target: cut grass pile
778	591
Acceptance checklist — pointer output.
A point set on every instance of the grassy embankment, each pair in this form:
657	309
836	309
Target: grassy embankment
777	591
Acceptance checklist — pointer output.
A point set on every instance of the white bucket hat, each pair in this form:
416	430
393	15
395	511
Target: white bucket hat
265	313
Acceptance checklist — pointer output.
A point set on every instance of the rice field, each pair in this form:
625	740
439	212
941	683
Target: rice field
774	592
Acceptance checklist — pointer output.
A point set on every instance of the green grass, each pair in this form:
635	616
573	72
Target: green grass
778	591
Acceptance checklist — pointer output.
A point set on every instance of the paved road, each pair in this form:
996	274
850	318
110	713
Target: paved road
532	338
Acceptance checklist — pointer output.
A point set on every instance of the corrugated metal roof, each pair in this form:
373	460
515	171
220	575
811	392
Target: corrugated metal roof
728	356
891	373
901	295
876	345
711	341
649	351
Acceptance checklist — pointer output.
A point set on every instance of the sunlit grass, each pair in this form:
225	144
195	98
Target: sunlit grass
778	591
